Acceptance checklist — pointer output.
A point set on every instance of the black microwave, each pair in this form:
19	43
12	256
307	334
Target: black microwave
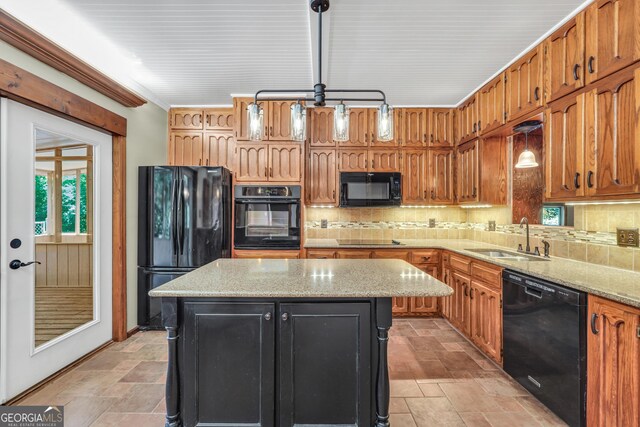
366	189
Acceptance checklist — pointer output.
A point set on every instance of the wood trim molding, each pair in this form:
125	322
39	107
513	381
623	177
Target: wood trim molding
22	86
33	43
119	243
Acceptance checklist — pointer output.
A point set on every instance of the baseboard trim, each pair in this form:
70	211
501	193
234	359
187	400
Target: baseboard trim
133	331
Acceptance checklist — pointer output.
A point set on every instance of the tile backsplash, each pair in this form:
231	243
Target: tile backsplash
592	238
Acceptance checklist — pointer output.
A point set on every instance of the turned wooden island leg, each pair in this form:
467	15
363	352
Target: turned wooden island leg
172	392
383	323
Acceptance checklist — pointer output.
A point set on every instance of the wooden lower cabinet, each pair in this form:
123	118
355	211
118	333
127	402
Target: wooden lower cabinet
426	305
266	254
461	303
613	364
486	318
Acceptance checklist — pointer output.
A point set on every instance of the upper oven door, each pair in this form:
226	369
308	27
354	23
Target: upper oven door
369	189
261	224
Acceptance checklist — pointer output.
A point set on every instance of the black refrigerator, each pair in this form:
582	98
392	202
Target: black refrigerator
184	222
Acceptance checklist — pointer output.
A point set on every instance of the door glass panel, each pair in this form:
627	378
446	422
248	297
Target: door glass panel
64	239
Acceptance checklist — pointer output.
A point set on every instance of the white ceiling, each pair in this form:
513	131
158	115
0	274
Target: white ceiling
420	52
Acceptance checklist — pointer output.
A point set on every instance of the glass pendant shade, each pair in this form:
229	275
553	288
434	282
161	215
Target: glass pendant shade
526	159
255	121
341	123
298	122
385	123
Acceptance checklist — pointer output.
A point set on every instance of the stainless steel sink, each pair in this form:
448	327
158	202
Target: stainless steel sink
506	255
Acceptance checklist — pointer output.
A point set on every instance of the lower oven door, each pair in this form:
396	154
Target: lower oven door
267	224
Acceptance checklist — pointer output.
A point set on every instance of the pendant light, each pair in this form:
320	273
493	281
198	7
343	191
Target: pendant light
318	95
298	122
341	123
527	159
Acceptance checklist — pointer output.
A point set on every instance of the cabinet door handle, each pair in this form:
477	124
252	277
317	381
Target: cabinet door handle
475	192
594	318
267	316
424	138
334	195
425	194
536	93
589	178
471	293
266	171
271	130
479	125
590	65
373	164
285	317
576	67
466	291
431	137
433	194
576	180
426	258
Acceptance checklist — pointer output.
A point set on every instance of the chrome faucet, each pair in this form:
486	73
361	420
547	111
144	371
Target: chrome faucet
524	220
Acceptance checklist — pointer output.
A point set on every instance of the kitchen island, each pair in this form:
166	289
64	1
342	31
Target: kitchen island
284	342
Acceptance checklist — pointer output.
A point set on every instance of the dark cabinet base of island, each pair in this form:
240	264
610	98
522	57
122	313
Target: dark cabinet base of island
277	362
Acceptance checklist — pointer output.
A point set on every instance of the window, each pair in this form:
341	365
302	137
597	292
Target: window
557	215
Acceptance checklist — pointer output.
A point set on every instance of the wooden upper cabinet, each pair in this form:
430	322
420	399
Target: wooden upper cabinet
467	123
384	161
240	121
185	148
441	127
251	161
373	130
613	364
280	120
218	119
612	37
564	59
440	177
353	161
564	148
219	149
414	177
186	118
322	177
468	172
285	162
525	84
321	127
491	108
613	135
359	133
413	127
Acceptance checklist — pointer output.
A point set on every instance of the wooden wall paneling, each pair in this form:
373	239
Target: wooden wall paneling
613	364
491	105
251	161
322	177
186	118
564	148
493	169
612	37
285	162
240	122
74	273
359	132
219	149
414	127
564	59
119	245
414	177
441	127
353	160
525	84
321	127
613	132
384	161
219	119
440	176
186	148
527	189
280	120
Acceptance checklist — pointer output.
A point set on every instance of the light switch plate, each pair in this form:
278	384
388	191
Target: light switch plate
324	223
492	226
627	237
432	223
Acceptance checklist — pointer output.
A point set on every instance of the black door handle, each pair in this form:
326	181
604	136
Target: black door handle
590	65
576	180
589	182
536	93
575	72
594	330
16	264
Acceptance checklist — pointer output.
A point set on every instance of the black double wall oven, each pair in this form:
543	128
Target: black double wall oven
267	217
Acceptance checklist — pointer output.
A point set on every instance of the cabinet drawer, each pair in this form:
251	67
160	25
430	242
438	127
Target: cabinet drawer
320	254
431	256
267	254
460	263
355	254
391	254
488	274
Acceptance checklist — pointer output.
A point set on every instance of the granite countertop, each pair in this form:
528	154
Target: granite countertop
304	278
608	282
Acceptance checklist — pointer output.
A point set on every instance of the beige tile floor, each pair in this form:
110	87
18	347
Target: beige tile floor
437	379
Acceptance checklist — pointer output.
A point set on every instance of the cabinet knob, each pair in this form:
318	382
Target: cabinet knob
285	317
267	316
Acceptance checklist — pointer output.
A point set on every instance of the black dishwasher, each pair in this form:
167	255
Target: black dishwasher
545	343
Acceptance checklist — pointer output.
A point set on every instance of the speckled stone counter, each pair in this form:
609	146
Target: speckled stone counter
305	278
616	284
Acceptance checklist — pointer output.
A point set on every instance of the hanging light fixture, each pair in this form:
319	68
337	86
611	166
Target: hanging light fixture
298	122
527	159
319	97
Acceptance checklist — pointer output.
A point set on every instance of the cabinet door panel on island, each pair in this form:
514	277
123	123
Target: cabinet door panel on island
236	350
337	338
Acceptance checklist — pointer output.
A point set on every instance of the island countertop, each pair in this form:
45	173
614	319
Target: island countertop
304	278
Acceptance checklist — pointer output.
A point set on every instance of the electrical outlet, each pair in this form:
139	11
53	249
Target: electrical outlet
492	226
432	223
627	237
324	223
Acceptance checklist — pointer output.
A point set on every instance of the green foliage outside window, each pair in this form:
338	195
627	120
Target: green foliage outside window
41	198
68	202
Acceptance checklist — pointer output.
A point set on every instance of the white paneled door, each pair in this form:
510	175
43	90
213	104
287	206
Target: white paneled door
55	208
